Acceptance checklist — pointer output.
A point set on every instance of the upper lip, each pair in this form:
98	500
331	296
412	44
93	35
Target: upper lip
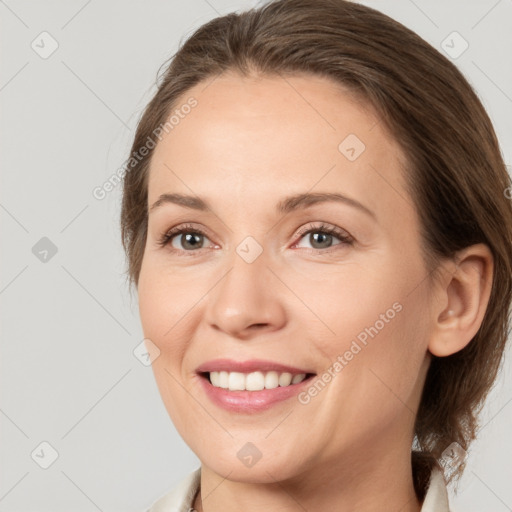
249	366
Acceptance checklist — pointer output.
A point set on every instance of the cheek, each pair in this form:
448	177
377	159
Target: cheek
165	312
377	343
166	305
382	364
160	323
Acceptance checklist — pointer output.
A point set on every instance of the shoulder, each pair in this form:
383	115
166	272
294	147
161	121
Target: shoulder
181	497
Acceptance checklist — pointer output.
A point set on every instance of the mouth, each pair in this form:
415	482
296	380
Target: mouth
251	375
254	381
252	392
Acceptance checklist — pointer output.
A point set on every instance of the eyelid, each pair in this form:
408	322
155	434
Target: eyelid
325	228
164	239
344	237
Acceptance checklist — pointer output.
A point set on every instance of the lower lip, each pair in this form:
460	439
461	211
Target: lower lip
251	401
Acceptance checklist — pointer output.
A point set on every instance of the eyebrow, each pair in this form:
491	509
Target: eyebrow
286	205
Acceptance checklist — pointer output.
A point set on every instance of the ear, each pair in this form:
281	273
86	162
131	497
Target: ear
463	294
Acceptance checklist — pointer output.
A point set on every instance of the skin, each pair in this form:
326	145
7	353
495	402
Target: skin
247	144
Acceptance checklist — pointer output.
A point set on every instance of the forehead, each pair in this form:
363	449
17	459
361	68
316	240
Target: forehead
255	138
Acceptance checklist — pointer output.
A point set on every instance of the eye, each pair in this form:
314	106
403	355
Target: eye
321	237
189	237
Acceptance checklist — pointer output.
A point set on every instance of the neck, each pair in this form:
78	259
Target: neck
358	486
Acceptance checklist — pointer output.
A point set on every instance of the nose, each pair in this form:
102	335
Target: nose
247	300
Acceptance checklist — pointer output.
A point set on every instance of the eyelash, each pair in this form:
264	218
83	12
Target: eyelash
343	236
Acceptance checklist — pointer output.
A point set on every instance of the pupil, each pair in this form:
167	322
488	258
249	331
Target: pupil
316	235
188	238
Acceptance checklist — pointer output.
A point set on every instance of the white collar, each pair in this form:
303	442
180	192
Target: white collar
181	497
436	499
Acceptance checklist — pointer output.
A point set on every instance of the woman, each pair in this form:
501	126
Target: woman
316	219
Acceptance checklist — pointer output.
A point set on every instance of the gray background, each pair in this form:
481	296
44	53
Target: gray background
69	327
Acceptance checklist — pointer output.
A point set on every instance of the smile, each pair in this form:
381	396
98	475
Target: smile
254	381
239	395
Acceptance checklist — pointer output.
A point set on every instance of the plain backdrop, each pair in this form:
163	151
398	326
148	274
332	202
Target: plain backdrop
75	77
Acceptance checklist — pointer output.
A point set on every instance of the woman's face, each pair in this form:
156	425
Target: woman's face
351	306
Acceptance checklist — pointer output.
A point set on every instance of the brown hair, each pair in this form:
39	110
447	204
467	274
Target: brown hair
456	173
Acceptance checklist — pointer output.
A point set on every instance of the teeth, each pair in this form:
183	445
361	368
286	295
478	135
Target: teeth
298	378
255	381
285	379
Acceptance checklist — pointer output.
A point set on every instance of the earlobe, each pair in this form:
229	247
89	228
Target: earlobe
464	295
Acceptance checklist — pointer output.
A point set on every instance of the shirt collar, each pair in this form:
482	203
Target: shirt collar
436	499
